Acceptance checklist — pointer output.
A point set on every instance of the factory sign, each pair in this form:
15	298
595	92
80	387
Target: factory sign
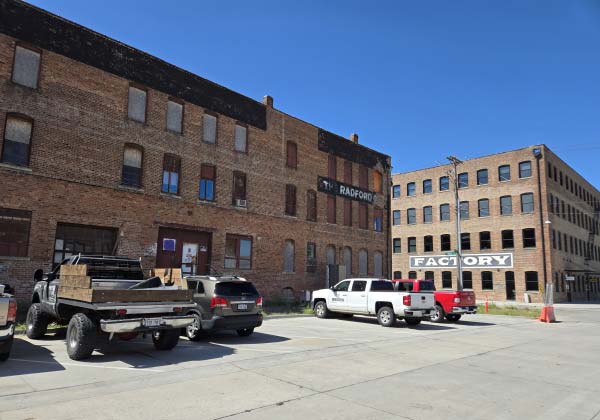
501	260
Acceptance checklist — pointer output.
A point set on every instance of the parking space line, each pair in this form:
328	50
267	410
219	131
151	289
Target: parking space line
87	365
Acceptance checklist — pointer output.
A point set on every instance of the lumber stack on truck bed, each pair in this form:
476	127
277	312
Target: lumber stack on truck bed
75	284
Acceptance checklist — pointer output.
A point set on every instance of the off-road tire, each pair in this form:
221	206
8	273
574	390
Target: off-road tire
194	331
37	322
165	339
412	321
453	317
245	332
438	314
82	333
321	310
386	316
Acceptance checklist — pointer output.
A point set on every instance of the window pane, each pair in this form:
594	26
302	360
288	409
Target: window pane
444	183
165	182
26	67
14	232
245	248
464	209
482	177
18	130
463	180
209	128
396	191
174	116
427	186
240	138
132	157
174	182
136	107
410	189
288	257
506	205
524	169
484	208
504	173
362	262
396	217
230	263
378	264
427	214
230	247
527	203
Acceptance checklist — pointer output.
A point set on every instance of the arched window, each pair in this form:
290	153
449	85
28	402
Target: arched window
347	256
363	264
330	253
289	254
287	294
378	264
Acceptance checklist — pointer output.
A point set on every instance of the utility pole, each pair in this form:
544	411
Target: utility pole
455	162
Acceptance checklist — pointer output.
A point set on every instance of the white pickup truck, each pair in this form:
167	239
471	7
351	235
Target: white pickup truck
8	314
373	297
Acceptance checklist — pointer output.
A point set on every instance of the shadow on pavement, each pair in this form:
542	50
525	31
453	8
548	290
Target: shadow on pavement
399	324
23	351
475	323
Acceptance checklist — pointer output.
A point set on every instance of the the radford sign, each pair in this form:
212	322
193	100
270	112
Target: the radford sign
331	186
502	260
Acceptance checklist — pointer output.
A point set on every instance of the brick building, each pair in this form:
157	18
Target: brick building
500	205
106	149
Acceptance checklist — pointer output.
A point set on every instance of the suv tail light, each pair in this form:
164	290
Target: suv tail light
218	302
406	300
259	301
12	311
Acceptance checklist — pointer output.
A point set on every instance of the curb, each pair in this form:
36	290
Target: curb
266	318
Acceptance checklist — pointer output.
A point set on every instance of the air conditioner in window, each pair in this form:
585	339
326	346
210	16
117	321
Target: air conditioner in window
240	203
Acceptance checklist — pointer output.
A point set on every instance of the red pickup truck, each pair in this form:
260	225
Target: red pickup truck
449	304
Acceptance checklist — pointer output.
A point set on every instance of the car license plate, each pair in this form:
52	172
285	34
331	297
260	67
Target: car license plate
152	322
242	306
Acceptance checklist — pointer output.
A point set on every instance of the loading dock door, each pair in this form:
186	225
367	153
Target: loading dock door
185	249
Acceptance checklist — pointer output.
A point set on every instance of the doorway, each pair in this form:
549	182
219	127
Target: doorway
186	249
509	277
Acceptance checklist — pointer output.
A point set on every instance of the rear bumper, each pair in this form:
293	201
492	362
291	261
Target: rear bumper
232	322
417	313
464	310
6	338
137	324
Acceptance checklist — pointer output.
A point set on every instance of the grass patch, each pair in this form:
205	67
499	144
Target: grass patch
509	310
276	308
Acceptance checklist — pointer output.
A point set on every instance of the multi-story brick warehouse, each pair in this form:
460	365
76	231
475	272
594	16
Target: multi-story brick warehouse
500	215
106	149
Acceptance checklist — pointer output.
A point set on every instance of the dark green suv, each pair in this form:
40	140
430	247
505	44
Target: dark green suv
223	303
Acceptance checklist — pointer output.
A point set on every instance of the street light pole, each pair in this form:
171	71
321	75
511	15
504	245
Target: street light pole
537	153
455	162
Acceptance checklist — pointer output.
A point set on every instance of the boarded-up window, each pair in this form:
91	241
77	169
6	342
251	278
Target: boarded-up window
377	182
378	264
174	116
347	212
292	154
209	128
208	174
17	140
363	177
311	257
171	170
332	167
241	138
330	254
311	206
363	263
26	67
290	200
136	107
331	209
363	216
348	172
14	232
132	166
239	187
289	254
347	255
238	252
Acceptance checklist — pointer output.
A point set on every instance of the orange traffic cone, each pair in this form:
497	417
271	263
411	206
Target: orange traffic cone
547	314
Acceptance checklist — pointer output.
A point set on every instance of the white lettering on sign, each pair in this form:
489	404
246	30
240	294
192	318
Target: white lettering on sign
503	260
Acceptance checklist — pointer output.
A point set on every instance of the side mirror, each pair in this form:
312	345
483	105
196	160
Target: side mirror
38	275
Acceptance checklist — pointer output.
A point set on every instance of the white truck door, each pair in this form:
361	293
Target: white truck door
357	296
337	299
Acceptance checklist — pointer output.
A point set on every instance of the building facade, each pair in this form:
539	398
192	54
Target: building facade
108	150
513	206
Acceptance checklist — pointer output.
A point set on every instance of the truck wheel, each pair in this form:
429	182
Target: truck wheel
81	337
453	317
321	310
165	339
37	322
4	356
438	314
386	316
412	321
245	332
194	331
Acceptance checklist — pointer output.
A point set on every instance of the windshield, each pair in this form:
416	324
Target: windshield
238	288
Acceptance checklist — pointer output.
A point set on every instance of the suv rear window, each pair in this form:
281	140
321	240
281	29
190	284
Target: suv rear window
381	286
237	288
426	286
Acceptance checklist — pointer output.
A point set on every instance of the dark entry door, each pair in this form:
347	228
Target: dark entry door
186	249
510	287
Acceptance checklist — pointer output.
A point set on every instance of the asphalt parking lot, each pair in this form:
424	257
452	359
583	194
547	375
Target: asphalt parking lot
488	367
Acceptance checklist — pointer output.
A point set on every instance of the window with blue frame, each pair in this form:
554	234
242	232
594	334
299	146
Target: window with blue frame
207	183
396	191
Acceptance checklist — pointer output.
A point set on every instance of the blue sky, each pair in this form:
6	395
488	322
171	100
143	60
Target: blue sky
418	80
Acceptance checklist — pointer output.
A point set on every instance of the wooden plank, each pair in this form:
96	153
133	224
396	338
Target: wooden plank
75	293
170	277
84	282
73	270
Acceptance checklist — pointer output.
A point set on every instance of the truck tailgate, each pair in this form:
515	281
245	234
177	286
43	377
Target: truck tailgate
421	300
3	310
467	298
